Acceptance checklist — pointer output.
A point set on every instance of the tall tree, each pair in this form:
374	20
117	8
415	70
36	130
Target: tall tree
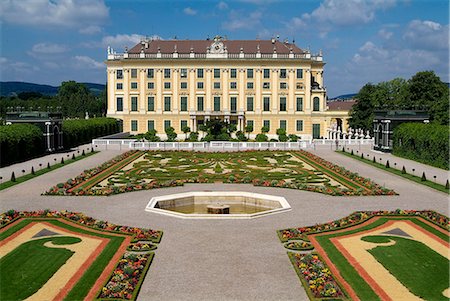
362	112
75	99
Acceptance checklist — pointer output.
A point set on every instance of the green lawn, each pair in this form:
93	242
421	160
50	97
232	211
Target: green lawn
28	267
33	264
422	270
399	173
362	289
42	171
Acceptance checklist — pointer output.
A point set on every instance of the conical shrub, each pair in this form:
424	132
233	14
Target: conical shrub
403	170
387	164
13	177
32	170
424	178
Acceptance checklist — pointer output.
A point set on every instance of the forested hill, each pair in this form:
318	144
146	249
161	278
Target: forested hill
14	88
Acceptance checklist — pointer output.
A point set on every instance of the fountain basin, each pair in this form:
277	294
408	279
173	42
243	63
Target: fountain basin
218	205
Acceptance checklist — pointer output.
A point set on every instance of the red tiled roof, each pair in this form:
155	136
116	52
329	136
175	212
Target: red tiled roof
340	105
200	46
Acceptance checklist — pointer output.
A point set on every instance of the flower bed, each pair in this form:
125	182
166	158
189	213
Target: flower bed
137	233
316	277
359	217
127	277
141	247
299	246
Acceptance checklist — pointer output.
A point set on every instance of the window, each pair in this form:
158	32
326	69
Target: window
183	103
134	125
266	85
119	74
233	104
200	103
282	104
150	103
167	85
200	85
249	85
299	86
166	73
151	85
119	103
283	85
133	73
183	85
249	73
249	103
266	73
150	73
250	123
233	85
199	73
299	73
119	86
216	73
167	103
316	104
150	125
266	104
134	103
283	73
183	73
283	124
232	73
133	85
299	125
299	103
183	123
316	130
167	124
266	123
216	103
217	85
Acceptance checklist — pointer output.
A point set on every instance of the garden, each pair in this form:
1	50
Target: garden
51	255
373	255
139	170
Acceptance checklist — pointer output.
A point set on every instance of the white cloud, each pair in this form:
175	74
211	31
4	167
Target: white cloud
120	41
91	29
48	48
222	5
427	35
237	20
63	13
82	62
190	11
385	34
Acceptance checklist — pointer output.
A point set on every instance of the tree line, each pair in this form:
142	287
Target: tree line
73	100
423	91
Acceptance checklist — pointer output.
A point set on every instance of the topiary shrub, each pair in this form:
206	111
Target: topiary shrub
447	185
374	160
32	170
387	164
403	170
62	160
13	177
351	153
423	178
362	155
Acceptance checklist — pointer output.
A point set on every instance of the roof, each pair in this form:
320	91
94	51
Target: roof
401	115
201	46
340	105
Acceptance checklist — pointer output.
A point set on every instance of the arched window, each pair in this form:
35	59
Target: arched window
316	104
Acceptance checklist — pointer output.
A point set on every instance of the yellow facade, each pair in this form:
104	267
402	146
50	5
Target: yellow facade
147	91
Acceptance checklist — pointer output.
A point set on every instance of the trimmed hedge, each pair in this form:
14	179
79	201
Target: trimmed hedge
426	143
81	131
20	142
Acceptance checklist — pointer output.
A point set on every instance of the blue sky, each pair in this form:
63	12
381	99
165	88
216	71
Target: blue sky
49	41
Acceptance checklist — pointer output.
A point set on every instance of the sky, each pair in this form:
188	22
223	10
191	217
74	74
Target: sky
50	41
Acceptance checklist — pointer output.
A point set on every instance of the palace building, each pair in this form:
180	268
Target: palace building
177	83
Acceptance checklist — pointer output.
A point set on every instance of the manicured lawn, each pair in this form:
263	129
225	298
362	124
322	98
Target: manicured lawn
148	170
28	267
423	271
398	173
42	171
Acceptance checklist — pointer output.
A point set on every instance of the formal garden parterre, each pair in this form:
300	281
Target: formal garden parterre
51	255
139	170
374	255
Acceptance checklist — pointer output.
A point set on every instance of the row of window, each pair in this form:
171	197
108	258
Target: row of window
184	123
216	104
200	85
216	73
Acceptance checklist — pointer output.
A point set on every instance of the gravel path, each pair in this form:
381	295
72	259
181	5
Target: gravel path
222	259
